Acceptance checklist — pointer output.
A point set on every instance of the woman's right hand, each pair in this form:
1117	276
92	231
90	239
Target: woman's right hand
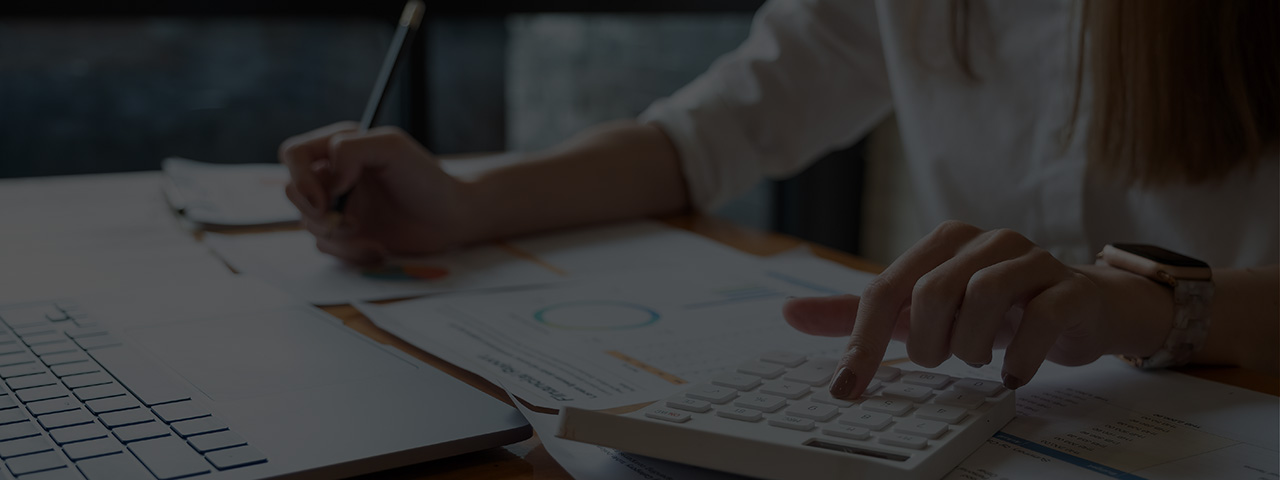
399	201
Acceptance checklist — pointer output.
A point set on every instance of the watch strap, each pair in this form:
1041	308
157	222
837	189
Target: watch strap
1191	300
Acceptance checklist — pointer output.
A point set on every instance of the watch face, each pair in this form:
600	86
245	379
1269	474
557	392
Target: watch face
1160	255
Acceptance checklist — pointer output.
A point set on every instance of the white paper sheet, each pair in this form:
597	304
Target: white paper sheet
215	194
290	261
643	244
622	339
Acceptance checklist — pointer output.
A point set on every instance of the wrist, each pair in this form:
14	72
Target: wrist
1139	313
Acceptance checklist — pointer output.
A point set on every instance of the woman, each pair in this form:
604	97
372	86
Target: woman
1036	133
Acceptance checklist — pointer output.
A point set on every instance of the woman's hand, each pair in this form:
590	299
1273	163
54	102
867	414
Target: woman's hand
400	201
963	291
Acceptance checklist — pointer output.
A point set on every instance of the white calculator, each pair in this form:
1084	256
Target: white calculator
773	418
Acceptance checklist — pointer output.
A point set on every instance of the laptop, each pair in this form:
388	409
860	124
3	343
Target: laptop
223	378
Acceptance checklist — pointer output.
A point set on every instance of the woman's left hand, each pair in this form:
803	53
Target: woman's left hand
963	291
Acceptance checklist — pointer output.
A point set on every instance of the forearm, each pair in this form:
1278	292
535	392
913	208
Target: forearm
1244	327
615	171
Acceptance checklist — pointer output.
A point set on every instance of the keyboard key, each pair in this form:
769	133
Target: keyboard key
786	389
121	418
41	393
13	371
761	369
67	473
54	347
97	341
84	332
690	404
31	381
942	413
739	413
172	412
99	391
788	359
960	399
86	380
736	381
112	467
825	397
18	430
78	433
903	440
16	359
169	458
37	329
104	405
936	381
187	428
19	317
12	348
142	431
220	440
892	406
921	428
794	423
235	457
92	448
665	414
12	415
868	420
712	393
7	401
61	358
33	340
74	369
764	403
987	388
142	376
812	373
872	386
65	419
38	462
915	393
813	411
847	431
24	446
45	407
885	374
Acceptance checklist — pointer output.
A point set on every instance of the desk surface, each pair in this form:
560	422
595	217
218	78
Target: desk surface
529	460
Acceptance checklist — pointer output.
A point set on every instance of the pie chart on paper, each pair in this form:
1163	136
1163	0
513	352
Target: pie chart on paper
596	315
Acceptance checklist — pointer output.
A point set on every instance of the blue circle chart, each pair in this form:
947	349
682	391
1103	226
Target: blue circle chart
596	315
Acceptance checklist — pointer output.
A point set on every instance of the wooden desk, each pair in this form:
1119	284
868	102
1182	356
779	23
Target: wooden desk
529	460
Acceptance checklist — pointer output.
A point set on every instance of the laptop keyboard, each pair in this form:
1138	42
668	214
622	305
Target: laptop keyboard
77	404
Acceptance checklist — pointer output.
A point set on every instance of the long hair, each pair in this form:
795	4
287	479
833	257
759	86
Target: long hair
1181	90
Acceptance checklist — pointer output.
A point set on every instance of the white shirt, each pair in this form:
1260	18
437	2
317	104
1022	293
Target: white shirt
816	75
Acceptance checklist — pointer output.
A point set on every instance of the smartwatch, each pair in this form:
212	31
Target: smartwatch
1191	281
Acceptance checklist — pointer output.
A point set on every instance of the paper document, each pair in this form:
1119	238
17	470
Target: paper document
291	262
622	339
629	245
213	194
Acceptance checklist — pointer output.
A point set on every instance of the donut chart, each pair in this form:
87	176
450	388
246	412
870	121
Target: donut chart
596	315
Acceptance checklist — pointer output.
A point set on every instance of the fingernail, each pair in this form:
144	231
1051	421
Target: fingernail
976	365
1010	382
842	387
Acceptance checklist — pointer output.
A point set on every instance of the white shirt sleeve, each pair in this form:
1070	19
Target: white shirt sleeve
810	78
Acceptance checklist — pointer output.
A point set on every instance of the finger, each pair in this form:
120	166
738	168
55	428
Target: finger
358	253
939	294
822	316
351	153
298	153
884	299
302	204
991	293
1046	317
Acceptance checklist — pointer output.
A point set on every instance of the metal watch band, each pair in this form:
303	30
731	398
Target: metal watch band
1191	300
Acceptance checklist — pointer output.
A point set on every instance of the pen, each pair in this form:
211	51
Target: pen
408	25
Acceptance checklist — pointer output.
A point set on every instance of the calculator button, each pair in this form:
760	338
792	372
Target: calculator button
942	413
790	390
904	440
794	423
885	374
739	413
891	406
711	393
761	369
764	403
817	372
960	399
868	420
932	380
668	415
825	397
921	428
914	393
690	404
985	387
788	359
736	381
847	431
813	411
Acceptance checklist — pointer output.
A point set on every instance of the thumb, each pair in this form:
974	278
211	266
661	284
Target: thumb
823	316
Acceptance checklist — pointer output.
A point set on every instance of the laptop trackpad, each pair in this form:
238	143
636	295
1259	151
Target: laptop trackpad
258	354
